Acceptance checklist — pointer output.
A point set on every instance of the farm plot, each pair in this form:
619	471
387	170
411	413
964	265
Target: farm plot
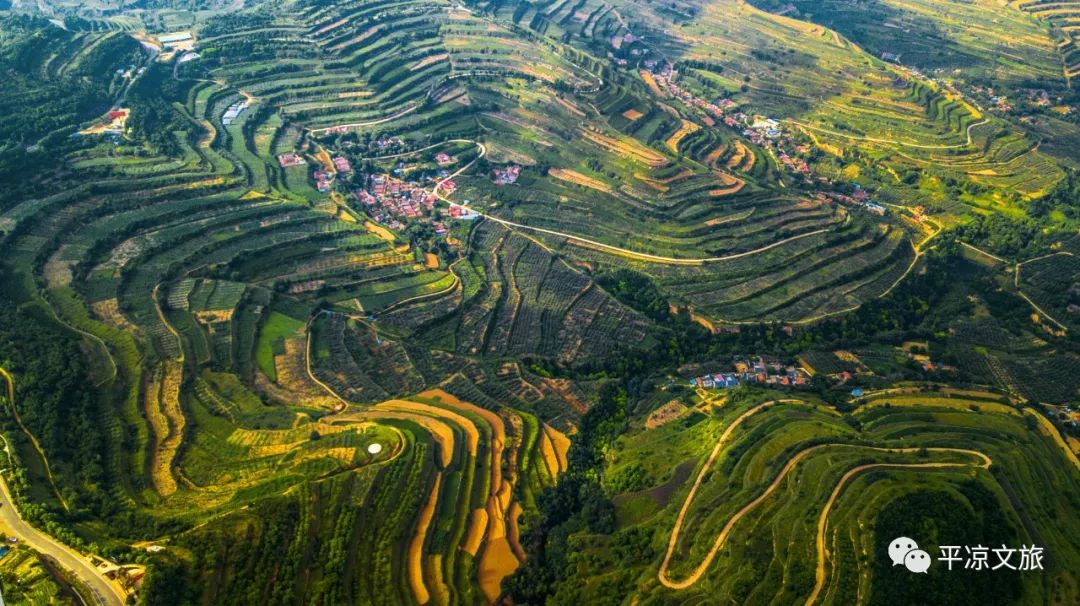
466	532
742	470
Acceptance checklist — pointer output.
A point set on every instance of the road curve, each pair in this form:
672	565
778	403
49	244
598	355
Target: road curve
625	252
823	519
104	592
720	443
33	440
721	539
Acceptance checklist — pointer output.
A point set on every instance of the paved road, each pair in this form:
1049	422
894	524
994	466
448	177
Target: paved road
72	561
102	591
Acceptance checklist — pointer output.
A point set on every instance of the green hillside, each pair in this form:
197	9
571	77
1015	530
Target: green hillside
402	302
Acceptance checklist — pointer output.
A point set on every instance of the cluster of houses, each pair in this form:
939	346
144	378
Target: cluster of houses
796	163
291	159
508	175
763	128
341	165
997	101
233	112
753	371
760	130
664	76
444	159
859	199
768	133
323	181
1000	103
390	199
324	178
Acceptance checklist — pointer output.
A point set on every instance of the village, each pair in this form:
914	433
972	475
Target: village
760	130
397	198
835	367
753	371
860	198
390	201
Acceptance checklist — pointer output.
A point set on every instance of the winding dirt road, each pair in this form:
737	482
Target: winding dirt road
673	540
822	553
721	539
894	142
33	440
322	131
624	252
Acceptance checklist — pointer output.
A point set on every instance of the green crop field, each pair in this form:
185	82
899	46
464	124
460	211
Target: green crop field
891	436
553	302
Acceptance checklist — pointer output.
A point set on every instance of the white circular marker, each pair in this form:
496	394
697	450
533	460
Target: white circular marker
375	448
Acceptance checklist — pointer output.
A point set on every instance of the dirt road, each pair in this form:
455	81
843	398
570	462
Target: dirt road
721	539
103	591
33	440
819	582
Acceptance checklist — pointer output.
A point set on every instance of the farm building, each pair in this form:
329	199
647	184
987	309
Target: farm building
177	41
233	112
112	123
341	164
464	213
287	160
875	208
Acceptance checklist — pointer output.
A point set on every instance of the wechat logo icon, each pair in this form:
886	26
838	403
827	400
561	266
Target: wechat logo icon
904	551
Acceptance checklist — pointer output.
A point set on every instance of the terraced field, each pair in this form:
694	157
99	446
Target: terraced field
752	469
196	274
1065	18
336	283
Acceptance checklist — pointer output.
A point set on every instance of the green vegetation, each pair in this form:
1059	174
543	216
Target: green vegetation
954	506
272	335
245	322
27	579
